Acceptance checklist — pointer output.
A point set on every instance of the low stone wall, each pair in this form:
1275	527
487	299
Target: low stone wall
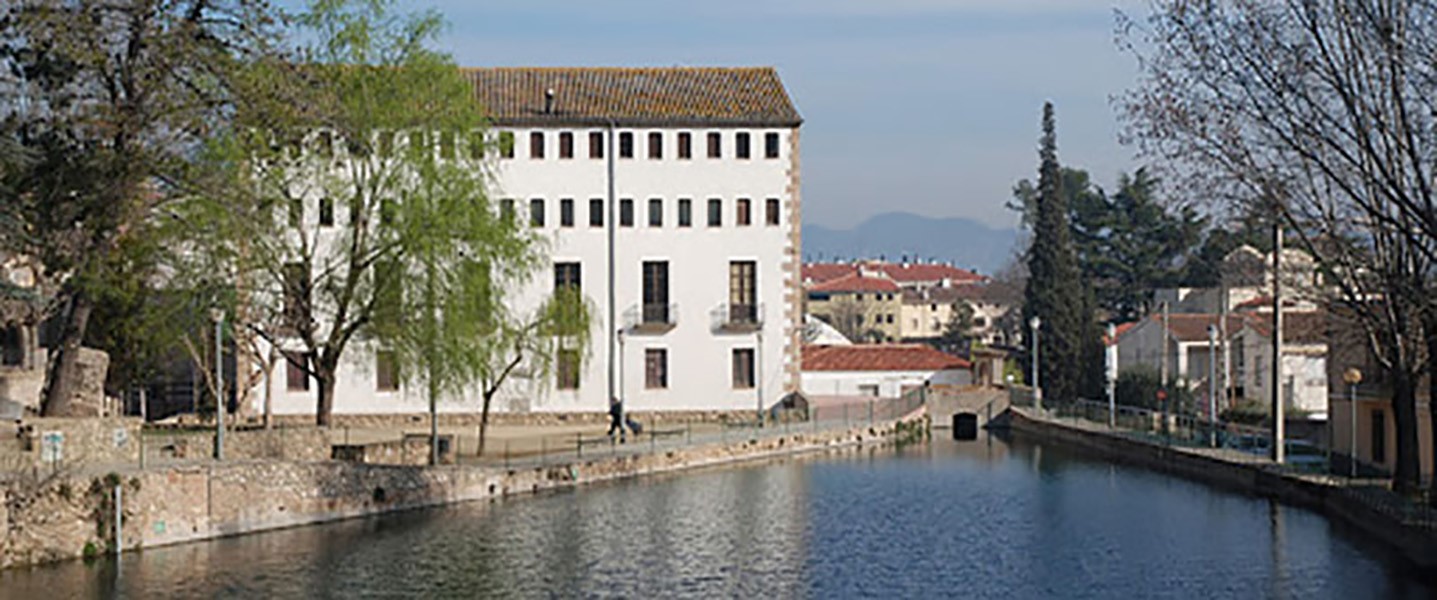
1256	477
46	520
400	420
412	450
303	444
56	442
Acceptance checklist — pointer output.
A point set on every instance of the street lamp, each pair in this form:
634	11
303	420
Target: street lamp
1111	353
1212	383
218	316
1351	377
1034	323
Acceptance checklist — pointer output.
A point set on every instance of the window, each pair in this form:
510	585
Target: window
596	144
715	145
12	346
326	212
770	145
536	144
771	207
1379	437
506	210
656	212
386	372
296	293
446	145
686	212
868	389
296	373
476	145
741	212
567	276
566	369
743	291
656	145
740	146
656	368
296	212
626	212
743	368
686	145
980	322
656	291
536	212
566	212
715	212
566	145
596	212
506	144
626	145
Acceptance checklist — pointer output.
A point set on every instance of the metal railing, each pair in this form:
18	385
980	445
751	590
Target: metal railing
567	448
738	317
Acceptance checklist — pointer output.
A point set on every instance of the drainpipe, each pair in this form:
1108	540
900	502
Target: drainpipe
611	229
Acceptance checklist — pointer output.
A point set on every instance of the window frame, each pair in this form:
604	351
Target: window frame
656	145
715	213
656	212
596	144
773	210
386	372
656	368
596	217
743	212
536	212
566	145
536	145
742	145
743	376
566	212
626	212
626	144
686	212
771	145
715	145
685	145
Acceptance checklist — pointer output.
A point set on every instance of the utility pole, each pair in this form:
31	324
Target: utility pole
1212	383
1279	450
613	324
1112	375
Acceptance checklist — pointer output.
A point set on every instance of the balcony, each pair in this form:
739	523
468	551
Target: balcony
738	318
651	318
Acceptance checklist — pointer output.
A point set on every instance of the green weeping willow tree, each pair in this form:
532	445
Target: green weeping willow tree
444	308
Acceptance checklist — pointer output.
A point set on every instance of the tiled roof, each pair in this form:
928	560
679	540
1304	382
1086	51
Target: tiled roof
879	357
1118	332
932	272
821	272
1192	327
694	96
945	295
1307	327
1263	302
855	282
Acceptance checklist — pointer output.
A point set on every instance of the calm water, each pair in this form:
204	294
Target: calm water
974	519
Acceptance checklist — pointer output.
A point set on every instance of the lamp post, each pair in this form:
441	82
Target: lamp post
623	411
1351	377
218	316
1033	324
1112	372
1212	384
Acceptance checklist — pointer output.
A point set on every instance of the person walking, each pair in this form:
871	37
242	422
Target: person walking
616	419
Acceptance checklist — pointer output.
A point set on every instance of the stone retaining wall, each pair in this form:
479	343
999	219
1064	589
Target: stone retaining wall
55	519
1258	478
80	440
303	444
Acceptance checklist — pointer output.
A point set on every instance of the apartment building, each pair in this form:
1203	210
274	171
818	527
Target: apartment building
678	185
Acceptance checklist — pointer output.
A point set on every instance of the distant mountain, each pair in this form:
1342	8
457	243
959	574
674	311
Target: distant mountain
964	242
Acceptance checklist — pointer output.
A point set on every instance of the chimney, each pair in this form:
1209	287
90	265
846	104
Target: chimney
549	101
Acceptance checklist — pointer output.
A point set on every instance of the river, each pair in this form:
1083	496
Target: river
985	519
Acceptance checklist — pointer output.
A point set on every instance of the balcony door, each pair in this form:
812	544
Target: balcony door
743	291
656	292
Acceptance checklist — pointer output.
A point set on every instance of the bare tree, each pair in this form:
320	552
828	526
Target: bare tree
1319	112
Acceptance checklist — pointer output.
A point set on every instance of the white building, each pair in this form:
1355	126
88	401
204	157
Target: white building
703	166
879	370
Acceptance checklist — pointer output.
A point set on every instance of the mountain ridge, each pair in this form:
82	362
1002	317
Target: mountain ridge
897	236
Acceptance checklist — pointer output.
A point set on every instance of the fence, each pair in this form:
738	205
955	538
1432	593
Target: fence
1362	482
833	415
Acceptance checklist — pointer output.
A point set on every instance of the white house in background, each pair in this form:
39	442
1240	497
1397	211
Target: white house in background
879	370
1187	351
703	164
1304	360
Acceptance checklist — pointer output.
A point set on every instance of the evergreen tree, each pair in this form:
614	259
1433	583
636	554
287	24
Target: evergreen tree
1054	291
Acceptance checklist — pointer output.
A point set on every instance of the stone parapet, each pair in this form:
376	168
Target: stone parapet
539	419
58	518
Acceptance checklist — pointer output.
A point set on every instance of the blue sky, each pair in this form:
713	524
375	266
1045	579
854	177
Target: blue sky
927	106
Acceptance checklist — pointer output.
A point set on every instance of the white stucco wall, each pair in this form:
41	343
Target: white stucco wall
890	383
699	357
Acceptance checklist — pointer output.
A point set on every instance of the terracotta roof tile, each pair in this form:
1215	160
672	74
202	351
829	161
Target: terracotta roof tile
1307	327
879	357
855	282
930	272
694	96
821	272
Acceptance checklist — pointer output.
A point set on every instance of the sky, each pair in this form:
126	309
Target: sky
925	106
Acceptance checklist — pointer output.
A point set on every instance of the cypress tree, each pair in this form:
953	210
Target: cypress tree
1054	291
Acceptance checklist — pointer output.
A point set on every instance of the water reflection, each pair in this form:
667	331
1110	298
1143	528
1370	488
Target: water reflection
990	518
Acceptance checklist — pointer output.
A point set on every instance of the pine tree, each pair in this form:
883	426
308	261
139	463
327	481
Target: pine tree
1054	291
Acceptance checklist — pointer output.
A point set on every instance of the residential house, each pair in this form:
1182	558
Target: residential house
879	370
862	305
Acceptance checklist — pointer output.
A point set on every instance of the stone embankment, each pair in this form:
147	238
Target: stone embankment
1243	473
61	516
